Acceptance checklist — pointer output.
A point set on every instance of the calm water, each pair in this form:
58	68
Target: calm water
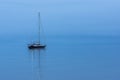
65	58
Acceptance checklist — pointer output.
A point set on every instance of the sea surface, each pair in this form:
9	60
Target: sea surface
73	57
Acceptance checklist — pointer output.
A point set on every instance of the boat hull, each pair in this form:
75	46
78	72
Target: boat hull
36	46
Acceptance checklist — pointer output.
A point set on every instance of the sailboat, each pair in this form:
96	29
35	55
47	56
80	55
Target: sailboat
37	44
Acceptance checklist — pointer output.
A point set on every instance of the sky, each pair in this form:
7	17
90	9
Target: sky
62	17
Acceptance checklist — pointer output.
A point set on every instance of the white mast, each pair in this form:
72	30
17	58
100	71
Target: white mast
39	27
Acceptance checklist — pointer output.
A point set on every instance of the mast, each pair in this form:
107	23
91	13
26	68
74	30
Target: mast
39	27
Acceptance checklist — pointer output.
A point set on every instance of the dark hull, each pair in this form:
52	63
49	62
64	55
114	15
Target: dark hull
35	47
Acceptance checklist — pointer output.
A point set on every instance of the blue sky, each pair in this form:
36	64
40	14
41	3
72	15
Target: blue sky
78	17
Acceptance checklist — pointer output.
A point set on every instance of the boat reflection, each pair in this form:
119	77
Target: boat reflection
37	58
